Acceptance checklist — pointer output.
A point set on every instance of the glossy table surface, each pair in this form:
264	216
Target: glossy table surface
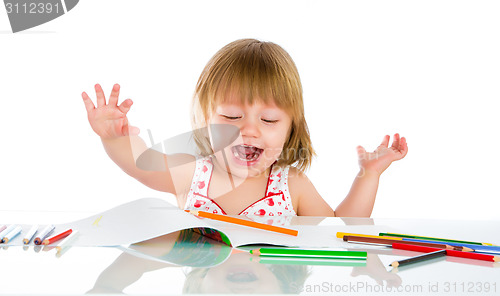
187	263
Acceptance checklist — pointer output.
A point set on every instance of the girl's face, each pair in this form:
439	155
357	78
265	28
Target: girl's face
264	128
240	274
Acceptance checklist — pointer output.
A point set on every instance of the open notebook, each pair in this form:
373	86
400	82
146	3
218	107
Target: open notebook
148	218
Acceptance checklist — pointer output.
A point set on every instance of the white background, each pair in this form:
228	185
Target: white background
429	70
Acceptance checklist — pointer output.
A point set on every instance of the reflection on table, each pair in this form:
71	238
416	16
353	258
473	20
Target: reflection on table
217	268
189	263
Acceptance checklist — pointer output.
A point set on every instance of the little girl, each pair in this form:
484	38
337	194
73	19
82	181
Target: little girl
254	87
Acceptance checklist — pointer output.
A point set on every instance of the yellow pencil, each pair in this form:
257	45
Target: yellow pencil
342	234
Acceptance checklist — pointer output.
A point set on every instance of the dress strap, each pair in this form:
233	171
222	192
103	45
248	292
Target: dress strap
201	179
275	180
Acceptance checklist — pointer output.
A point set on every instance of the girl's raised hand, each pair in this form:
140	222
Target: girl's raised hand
109	120
380	159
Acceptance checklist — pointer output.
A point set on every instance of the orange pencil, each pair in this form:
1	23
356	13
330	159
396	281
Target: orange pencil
57	237
238	221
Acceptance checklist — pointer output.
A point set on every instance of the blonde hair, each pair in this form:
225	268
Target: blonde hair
254	70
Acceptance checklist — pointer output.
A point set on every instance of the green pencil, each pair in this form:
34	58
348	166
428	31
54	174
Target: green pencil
288	252
433	239
281	260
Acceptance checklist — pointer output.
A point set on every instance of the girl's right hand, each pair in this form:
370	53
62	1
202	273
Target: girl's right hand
109	120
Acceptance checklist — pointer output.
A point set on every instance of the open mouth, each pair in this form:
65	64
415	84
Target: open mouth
246	153
241	277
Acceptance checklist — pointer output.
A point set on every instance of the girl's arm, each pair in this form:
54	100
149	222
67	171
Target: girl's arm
361	198
125	150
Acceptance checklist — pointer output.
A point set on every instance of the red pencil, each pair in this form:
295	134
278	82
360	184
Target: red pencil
469	255
57	237
471	261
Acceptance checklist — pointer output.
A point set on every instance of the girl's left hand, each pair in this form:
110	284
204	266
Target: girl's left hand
380	159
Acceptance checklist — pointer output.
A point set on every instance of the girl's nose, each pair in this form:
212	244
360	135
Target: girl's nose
250	128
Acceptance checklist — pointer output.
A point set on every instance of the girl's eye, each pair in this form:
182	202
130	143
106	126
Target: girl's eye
269	121
231	117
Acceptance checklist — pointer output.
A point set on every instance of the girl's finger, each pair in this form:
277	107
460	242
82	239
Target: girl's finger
402	149
115	92
133	131
385	141
404	146
101	100
88	102
361	152
125	106
129	130
396	142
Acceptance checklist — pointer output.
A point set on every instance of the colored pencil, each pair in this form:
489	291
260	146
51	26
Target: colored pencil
243	222
64	243
477	248
2	228
307	261
12	234
420	258
432	238
419	264
289	252
57	237
389	242
472	262
470	255
29	236
47	248
62	251
6	230
342	234
43	234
